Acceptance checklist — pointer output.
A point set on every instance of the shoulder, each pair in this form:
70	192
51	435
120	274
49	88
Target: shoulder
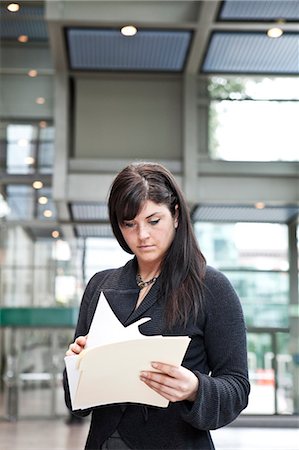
215	278
110	278
218	288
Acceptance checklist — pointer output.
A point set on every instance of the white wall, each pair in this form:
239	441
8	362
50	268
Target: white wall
128	118
19	92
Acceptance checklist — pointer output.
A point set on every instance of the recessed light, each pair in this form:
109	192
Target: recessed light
32	73
40	100
47	213
259	205
29	160
128	30
37	184
274	32
23	38
55	234
43	200
13	7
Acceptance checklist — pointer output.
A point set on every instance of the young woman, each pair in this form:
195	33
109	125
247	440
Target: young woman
167	280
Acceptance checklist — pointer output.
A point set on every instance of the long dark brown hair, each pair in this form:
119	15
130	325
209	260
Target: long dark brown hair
183	267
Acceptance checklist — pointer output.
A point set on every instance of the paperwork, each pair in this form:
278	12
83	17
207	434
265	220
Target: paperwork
107	370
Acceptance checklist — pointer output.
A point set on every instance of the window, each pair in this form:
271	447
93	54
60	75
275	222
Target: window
253	119
28	148
101	254
254	256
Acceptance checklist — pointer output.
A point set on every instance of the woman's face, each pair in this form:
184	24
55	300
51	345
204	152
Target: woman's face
150	234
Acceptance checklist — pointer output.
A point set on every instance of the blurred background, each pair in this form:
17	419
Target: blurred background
208	88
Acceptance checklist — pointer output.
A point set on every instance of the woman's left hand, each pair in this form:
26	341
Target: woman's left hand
173	383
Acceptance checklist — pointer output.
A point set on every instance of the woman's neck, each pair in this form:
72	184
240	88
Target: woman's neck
148	272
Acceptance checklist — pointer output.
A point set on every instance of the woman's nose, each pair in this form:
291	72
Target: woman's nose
143	232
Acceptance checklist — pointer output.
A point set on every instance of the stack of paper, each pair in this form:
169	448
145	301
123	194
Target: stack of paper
107	370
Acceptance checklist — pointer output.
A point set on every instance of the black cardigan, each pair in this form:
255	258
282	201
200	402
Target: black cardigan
216	354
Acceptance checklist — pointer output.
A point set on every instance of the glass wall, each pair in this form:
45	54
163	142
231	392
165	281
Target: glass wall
32	372
32	250
38	269
254	256
41	273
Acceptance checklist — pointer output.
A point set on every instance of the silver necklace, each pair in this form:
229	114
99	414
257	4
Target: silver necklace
142	284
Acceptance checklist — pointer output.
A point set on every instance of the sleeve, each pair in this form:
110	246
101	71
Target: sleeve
86	311
222	394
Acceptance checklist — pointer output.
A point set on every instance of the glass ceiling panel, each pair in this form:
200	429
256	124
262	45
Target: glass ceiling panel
252	53
107	49
259	10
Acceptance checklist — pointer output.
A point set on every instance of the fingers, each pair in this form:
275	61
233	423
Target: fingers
76	347
173	383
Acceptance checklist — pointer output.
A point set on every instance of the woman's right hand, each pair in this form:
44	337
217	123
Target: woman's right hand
76	347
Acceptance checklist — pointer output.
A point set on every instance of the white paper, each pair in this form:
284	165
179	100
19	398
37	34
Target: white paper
106	328
107	370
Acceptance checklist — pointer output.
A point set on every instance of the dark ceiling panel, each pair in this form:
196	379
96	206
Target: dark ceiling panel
98	49
94	212
28	21
242	52
34	29
268	10
25	11
99	231
44	232
89	211
227	213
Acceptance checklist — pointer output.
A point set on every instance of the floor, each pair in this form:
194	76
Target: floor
57	435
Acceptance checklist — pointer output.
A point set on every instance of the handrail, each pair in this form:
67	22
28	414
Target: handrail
53	317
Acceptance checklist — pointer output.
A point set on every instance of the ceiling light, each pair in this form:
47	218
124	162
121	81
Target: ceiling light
37	184
23	38
259	205
13	7
43	124
40	100
47	213
29	160
43	200
128	30
274	32
55	234
32	73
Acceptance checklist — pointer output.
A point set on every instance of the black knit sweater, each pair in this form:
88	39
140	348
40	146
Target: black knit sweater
216	354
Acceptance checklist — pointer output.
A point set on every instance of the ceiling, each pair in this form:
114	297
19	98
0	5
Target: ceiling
173	36
180	37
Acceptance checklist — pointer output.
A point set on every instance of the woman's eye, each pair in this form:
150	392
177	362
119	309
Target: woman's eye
155	221
128	224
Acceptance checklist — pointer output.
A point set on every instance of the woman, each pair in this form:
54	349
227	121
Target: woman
167	280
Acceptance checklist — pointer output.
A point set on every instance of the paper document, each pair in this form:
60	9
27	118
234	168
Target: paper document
107	370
